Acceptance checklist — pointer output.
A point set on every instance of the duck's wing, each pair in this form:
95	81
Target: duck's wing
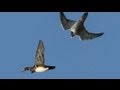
65	22
39	58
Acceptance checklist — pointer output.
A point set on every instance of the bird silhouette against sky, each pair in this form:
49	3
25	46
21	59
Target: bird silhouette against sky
39	61
77	28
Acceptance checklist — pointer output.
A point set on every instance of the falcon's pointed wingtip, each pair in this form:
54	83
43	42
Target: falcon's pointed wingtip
61	13
101	33
86	13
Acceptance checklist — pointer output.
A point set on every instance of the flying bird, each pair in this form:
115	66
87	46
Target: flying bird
77	28
39	61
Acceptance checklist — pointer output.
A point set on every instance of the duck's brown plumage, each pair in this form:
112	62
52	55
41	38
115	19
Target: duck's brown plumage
39	59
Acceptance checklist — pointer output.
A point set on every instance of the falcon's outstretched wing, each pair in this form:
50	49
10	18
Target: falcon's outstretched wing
66	23
84	17
85	35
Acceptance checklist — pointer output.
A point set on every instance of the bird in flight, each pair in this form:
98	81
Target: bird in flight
77	28
39	61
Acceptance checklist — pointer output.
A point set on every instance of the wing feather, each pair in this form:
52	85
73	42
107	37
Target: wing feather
85	35
39	58
66	23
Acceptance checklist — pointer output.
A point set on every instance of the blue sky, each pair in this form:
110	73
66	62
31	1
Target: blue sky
74	59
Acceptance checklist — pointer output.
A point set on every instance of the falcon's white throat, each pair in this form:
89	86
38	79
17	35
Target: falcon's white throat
73	28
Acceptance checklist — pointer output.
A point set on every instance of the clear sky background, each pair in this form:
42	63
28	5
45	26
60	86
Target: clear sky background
74	59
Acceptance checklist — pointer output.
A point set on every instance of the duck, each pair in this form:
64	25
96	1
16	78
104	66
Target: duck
40	65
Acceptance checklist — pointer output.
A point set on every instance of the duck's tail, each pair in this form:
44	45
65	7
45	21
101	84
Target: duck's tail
51	67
